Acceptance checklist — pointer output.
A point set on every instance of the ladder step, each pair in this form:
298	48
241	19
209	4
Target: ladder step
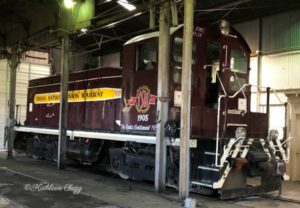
234	111
208	168
236	124
210	153
203	183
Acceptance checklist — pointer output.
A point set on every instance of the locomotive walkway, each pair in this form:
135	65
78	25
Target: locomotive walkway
26	182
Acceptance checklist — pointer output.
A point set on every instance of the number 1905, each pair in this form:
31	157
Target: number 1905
143	117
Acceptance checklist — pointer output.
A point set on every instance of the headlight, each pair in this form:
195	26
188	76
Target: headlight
273	134
240	132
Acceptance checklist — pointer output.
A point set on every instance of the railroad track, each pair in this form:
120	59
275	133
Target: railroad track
280	198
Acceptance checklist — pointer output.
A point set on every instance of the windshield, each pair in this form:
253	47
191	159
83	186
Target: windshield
238	61
239	67
237	83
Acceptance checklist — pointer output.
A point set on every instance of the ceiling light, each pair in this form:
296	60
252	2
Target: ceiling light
69	4
224	27
126	5
84	30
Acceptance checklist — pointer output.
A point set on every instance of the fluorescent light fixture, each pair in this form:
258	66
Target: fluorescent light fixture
84	30
115	23
126	5
69	4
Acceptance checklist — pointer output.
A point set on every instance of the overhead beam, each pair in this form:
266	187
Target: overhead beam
220	7
225	5
14	18
41	21
100	22
184	171
162	96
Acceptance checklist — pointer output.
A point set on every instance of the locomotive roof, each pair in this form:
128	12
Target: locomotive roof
173	30
151	35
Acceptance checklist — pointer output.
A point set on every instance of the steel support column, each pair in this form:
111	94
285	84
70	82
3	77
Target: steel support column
162	95
12	101
151	16
184	171
259	64
174	12
63	112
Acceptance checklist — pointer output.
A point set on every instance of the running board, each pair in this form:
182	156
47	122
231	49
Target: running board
202	184
96	135
236	124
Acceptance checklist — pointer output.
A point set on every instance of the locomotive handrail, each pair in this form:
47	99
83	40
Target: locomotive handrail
218	130
222	85
231	97
218	76
218	117
241	89
273	91
278	98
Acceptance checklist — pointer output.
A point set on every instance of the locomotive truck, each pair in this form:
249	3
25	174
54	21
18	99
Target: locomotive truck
112	116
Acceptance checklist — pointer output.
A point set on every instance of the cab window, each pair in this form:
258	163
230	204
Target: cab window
177	50
213	66
238	61
146	56
236	83
177	75
239	67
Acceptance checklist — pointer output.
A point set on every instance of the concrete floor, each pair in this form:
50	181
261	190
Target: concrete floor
26	182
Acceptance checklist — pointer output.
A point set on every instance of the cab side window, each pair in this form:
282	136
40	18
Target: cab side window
146	56
238	61
239	67
213	66
177	50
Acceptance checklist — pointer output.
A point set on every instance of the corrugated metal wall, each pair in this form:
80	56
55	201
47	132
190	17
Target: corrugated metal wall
280	49
250	31
281	70
36	57
281	32
78	62
279	66
25	72
111	60
4	86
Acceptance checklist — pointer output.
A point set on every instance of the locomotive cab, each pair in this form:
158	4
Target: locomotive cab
229	150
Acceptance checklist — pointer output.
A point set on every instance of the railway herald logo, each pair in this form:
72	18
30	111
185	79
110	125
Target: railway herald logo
143	99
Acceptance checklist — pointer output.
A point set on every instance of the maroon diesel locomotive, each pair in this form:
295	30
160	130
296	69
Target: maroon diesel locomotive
112	116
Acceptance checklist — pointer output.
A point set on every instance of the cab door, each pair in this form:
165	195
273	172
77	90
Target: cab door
140	87
236	76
